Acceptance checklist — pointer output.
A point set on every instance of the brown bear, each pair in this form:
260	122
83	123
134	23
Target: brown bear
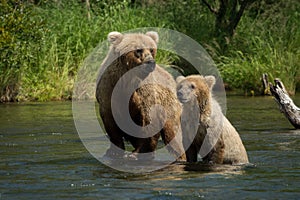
137	98
216	140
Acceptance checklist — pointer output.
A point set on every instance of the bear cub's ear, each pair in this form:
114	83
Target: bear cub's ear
210	80
179	79
115	37
153	35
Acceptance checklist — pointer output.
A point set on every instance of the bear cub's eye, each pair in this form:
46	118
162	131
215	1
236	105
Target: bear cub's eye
193	86
151	50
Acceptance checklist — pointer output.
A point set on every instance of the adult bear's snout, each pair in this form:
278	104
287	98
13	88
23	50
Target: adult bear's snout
151	65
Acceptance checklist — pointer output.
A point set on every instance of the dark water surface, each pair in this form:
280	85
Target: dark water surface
42	157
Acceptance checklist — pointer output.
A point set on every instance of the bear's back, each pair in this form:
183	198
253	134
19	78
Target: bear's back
235	152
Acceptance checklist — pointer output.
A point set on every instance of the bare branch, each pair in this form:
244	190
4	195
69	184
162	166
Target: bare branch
236	17
88	7
240	13
213	10
233	9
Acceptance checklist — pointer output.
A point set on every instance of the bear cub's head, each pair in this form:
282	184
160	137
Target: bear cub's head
195	86
196	89
135	49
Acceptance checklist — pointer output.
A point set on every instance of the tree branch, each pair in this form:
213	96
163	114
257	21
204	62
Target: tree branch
235	16
233	10
213	10
88	8
240	13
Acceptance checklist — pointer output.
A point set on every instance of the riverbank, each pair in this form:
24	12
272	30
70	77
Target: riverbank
43	44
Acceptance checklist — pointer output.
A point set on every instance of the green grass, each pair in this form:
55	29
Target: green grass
266	44
45	68
42	46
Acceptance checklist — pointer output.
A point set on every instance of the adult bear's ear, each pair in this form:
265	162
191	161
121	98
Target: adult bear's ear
210	80
115	37
153	35
179	79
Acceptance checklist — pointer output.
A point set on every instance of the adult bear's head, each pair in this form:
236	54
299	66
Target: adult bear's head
135	49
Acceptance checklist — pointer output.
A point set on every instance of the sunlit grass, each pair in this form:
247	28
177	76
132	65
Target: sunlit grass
264	45
43	46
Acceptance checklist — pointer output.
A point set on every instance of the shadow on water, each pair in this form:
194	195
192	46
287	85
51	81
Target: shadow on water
142	167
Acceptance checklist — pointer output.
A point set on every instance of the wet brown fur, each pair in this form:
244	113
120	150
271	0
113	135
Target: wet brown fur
128	51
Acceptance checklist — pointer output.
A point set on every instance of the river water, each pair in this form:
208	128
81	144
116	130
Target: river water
42	157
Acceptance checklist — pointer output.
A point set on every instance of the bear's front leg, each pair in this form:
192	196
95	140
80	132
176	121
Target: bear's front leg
117	146
216	155
172	137
192	153
144	147
116	149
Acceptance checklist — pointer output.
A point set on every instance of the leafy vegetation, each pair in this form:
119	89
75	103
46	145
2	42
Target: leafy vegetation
267	42
43	42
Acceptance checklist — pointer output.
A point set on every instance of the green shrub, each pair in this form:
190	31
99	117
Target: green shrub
44	68
267	43
21	32
42	45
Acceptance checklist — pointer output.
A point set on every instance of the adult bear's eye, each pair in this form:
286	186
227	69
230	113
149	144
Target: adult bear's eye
193	86
139	52
151	50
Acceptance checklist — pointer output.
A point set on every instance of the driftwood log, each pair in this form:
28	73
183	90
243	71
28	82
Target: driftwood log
286	104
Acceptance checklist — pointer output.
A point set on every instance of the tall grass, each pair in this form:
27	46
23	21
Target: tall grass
20	31
267	43
267	40
46	67
42	46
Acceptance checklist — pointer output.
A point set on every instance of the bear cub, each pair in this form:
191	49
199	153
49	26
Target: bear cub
210	134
